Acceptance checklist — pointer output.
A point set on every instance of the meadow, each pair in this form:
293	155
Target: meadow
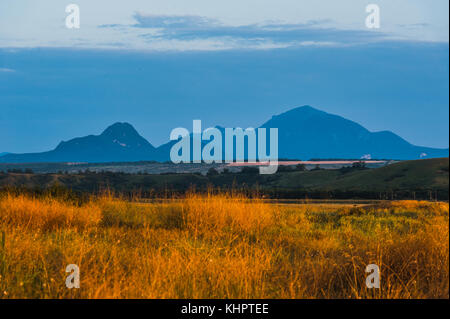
221	245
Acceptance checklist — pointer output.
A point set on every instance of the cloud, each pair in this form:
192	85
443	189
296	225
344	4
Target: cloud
414	25
203	33
217	25
196	27
173	21
6	70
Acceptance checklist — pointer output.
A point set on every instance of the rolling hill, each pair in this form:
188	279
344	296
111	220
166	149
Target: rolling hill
417	174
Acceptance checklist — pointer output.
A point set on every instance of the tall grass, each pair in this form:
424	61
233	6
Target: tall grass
221	246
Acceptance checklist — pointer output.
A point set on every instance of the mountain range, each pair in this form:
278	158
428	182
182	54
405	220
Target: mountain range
303	133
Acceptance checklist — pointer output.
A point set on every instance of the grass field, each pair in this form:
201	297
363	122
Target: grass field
221	246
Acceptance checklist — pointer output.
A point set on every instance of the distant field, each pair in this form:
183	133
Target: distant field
420	179
114	167
167	167
324	163
221	246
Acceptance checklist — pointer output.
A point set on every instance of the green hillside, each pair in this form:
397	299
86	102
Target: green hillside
418	174
400	180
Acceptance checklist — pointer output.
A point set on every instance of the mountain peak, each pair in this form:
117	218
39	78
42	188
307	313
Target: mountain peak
120	129
305	109
124	135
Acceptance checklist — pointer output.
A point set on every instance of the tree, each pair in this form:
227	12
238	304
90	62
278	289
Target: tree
359	164
249	170
212	172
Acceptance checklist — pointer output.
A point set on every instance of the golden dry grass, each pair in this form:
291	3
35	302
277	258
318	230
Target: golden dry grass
221	246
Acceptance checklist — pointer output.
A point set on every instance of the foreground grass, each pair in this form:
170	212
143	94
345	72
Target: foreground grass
221	246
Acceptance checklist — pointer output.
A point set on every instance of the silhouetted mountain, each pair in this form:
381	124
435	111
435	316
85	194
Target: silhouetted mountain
303	133
118	143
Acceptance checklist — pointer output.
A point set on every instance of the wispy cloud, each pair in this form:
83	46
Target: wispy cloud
6	70
218	25
197	33
414	25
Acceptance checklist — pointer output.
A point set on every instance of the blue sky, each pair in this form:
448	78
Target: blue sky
161	64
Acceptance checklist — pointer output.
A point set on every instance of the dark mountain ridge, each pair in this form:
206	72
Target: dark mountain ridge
303	133
120	142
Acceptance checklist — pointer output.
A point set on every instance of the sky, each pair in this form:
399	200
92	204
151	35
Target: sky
161	64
